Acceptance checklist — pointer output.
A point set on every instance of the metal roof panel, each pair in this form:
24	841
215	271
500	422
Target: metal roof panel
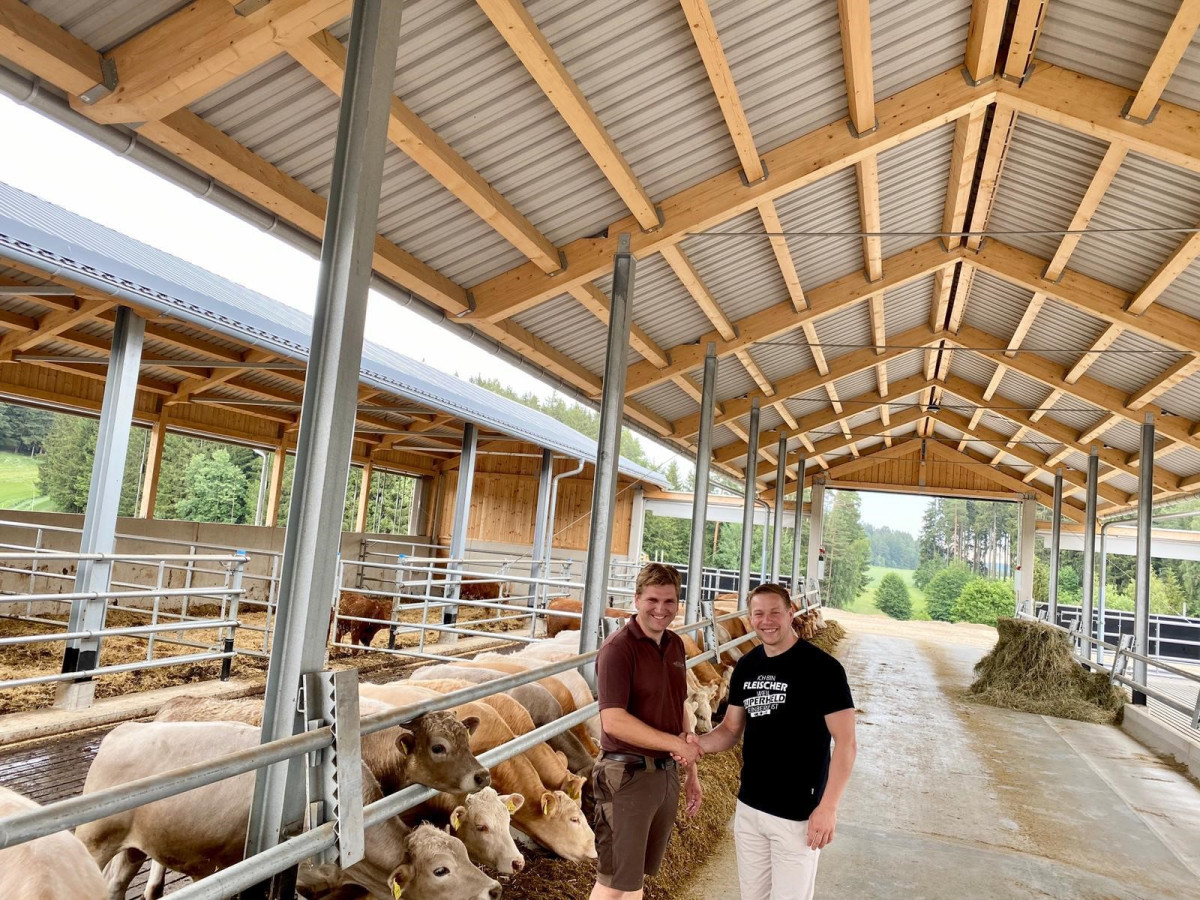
907	306
995	305
1132	361
845	331
912	40
1062	333
912	186
741	272
827	205
105	23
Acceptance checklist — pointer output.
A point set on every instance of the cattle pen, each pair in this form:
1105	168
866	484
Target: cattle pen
945	248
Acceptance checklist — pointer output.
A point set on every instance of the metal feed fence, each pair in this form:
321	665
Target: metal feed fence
332	753
1171	638
163	626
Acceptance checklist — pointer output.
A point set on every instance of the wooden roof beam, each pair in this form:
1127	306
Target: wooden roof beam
1177	373
1185	254
983	38
599	305
49	325
1036	302
755	372
1102	343
1099	185
690	278
855	19
968	135
867	179
1170	52
994	152
35	43
1026	28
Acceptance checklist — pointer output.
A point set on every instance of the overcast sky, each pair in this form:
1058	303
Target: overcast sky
55	164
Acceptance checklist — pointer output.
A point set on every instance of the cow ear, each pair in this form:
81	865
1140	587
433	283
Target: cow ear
561	756
471	723
405	740
400	879
575	787
456	817
513	802
549	803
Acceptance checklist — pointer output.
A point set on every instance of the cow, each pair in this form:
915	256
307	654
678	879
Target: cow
550	817
473	589
481	822
551	766
576	684
204	830
557	624
48	868
361	606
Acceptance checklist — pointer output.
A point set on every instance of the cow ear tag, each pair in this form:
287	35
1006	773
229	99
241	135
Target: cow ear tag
545	807
397	890
512	806
455	821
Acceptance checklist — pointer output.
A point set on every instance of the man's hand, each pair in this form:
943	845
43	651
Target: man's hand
821	826
692	791
688	751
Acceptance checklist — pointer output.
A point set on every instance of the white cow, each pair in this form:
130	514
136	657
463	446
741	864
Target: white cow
50	868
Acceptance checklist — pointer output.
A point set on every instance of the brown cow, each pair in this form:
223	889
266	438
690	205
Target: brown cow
557	624
361	606
54	866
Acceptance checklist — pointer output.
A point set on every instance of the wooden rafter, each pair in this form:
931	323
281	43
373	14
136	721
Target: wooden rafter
867	179
690	278
1099	185
1185	254
1170	378
855	19
1026	28
756	373
1102	343
994	152
968	132
1170	52
1105	424
1036	302
597	303
983	38
51	324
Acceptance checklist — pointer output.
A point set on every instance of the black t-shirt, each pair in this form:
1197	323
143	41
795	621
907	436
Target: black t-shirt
785	753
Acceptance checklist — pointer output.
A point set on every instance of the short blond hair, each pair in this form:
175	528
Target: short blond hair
655	574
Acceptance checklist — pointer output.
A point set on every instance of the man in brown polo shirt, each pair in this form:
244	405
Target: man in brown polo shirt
641	676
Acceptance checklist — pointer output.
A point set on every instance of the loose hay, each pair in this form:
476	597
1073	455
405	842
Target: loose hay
549	878
1031	669
827	638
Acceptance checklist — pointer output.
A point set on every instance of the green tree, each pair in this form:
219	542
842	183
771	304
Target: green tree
892	597
24	429
944	590
983	601
216	489
848	554
926	571
65	469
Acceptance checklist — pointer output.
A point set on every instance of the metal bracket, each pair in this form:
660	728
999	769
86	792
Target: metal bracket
335	782
971	82
562	267
854	132
108	82
1058	280
1026	75
662	220
470	306
742	174
1146	121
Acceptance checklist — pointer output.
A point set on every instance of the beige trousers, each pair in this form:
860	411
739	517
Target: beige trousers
773	857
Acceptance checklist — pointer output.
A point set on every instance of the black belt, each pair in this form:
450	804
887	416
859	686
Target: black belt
638	761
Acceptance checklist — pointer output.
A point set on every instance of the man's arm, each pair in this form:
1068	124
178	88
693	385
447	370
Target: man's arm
627	728
823	821
727	733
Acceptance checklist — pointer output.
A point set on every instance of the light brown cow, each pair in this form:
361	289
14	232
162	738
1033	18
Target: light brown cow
575	682
204	830
551	818
558	624
49	868
362	606
481	822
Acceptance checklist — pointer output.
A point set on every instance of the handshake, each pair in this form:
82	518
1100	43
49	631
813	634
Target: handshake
688	749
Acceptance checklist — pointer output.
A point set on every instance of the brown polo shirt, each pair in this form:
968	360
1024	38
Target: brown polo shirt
646	678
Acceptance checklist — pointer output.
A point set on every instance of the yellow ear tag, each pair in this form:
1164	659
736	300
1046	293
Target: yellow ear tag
397	890
512	806
573	791
545	807
455	820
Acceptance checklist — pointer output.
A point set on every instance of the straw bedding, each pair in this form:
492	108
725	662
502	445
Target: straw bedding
1031	669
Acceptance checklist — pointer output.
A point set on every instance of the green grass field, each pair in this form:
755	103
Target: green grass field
865	602
18	484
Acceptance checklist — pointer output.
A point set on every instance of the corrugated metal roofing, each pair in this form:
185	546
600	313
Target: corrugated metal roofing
845	331
995	305
105	23
997	422
567	326
1074	412
786	60
668	400
741	273
908	306
1146	193
973	367
1022	390
1123	436
787	356
1062	333
1183	399
906	365
44	235
733	380
662	306
912	186
1124	482
912	40
1183	462
827	205
1183	293
855	385
1046	172
1132	362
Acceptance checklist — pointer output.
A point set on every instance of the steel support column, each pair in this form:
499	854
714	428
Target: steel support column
1025	556
1089	545
700	490
816	531
458	528
798	527
104	500
1055	546
608	453
748	506
1100	594
1145	526
541	524
308	577
780	485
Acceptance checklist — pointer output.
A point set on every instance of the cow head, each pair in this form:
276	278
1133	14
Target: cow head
436	749
436	867
557	823
482	825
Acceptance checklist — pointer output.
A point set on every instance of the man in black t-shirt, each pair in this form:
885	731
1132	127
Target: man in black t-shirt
788	698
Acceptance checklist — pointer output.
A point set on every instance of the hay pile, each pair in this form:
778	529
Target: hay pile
1031	669
827	638
549	878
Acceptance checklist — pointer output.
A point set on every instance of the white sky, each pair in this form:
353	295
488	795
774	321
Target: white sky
55	164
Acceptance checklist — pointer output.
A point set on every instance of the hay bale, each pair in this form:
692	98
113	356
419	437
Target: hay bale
827	638
1031	669
549	878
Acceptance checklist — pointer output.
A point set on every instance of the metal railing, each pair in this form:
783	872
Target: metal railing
164	626
1171	638
321	836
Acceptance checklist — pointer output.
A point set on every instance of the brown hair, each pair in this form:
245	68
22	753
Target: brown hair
654	574
769	588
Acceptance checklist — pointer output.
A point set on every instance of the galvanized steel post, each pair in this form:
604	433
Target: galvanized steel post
608	453
780	484
1026	538
1055	545
798	526
816	532
700	488
1089	545
1141	601
458	528
748	506
309	574
1100	594
104	498
541	524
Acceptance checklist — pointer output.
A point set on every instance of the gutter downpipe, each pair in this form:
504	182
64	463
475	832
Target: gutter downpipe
548	547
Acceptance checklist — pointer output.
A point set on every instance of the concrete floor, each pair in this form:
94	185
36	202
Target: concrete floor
955	799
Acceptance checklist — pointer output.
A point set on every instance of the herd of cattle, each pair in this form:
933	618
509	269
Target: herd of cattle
433	852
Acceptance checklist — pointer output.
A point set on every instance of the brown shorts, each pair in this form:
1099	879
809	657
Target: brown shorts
635	812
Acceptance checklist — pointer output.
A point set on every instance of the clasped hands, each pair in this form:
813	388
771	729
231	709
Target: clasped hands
688	750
